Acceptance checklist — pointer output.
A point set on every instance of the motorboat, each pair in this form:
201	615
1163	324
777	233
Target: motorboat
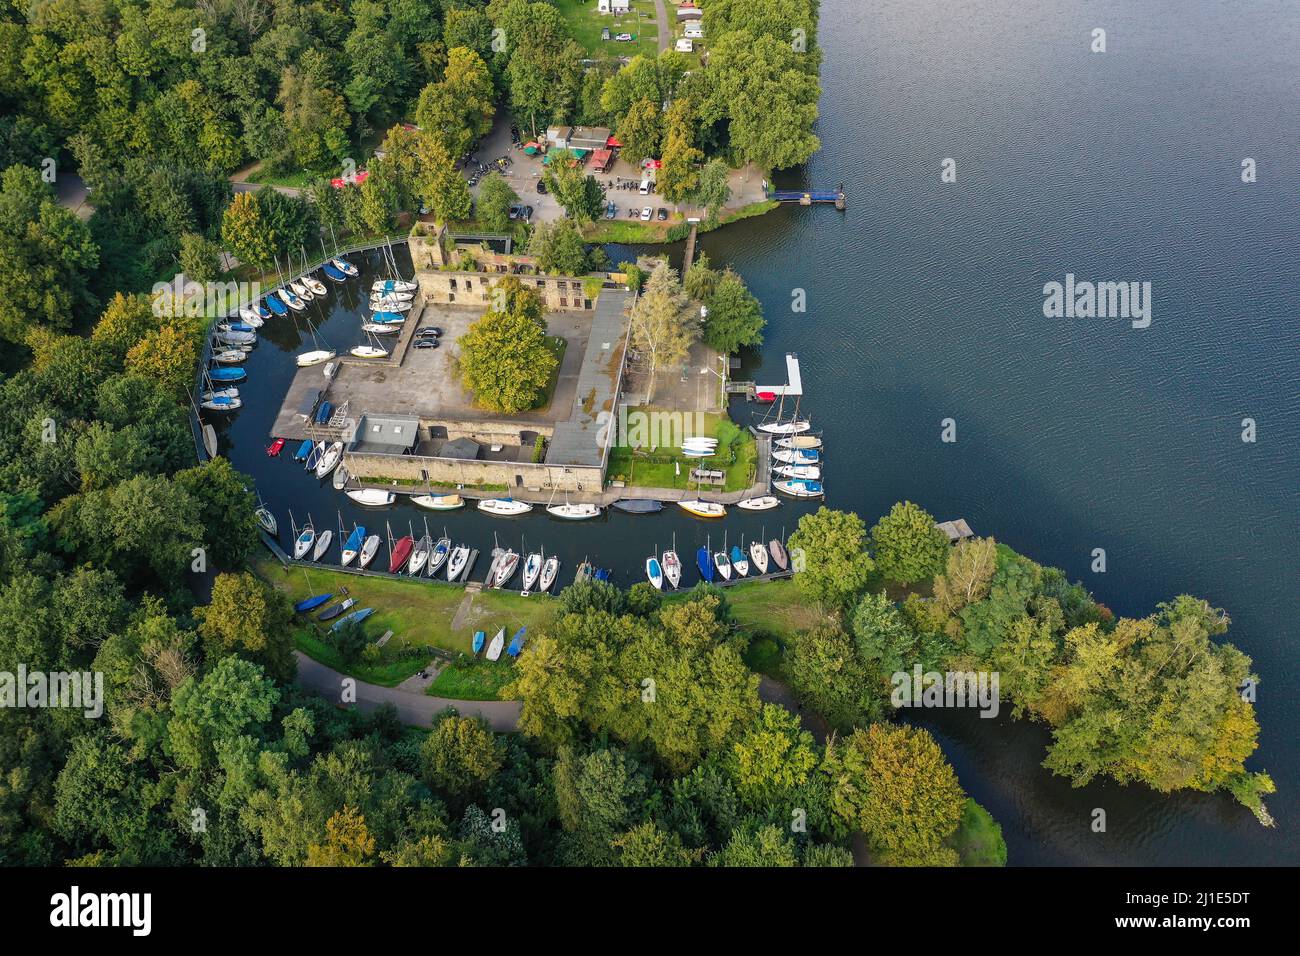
760	503
504	507
231	373
372	497
272	450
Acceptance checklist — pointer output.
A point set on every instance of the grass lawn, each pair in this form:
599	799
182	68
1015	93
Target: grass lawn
419	613
473	678
659	469
777	608
585	24
296	179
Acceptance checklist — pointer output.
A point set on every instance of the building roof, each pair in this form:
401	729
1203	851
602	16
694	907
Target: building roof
386	434
460	448
580	440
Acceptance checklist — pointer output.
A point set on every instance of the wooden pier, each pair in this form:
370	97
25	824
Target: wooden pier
807	197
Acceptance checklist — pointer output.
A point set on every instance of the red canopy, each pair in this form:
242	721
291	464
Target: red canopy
339	182
613	143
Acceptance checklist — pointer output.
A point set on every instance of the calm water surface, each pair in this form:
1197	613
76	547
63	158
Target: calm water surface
924	303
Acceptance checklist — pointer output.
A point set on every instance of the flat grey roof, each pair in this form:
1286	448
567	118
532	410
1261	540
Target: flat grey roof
578	440
384	433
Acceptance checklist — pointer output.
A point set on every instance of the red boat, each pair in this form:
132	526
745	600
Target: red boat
276	445
765	396
401	551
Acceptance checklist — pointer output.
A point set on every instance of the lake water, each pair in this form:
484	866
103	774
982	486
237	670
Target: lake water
924	303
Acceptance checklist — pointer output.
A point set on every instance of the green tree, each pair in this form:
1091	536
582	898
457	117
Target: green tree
735	318
824	670
829	552
459	756
249	617
580	195
558	248
231	699
505	361
458	110
679	175
907	546
713	189
495	197
664	323
641	131
245	234
440	185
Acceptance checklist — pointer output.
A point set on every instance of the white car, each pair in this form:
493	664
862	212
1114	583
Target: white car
646	213
624	38
645	187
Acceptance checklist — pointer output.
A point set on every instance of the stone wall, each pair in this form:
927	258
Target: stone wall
559	294
514	476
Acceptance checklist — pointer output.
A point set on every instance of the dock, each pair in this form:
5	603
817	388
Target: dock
807	197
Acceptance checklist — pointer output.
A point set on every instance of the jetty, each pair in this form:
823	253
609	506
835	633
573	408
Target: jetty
807	197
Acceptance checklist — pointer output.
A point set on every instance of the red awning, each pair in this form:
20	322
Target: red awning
613	143
340	181
601	158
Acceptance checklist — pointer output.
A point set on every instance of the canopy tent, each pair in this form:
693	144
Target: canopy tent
532	149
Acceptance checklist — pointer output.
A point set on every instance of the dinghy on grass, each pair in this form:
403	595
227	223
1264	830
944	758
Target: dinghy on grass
356	617
498	642
330	613
311	603
517	644
477	643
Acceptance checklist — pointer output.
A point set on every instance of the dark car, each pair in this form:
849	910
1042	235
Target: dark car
433	330
662	214
611	210
427	343
541	186
516	211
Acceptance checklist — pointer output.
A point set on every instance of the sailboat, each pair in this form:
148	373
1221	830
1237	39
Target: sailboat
227	393
373	350
420	554
332	272
810	472
302	544
456	563
438	502
517	644
310	604
498	642
329	459
758	556
352	546
759	503
275	306
654	572
532	568
703	509
340	479
380	328
505	569
229	356
390	304
401	550
504	507
738	561
441	552
777	550
369	548
266	520
228	374
291	299
347	268
314	457
315	357
300	289
723	564
672	566
387	286
796	456
570	512
477	643
550	571
786	428
372	497
336	610
704	561
322	544
799	488
221	403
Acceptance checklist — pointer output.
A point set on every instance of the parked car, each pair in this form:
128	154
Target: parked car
644	190
427	343
527	213
624	38
541	186
646	213
516	211
611	210
429	330
662	214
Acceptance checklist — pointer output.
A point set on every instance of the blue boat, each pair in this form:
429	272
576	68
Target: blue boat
517	644
356	617
239	327
315	455
323	414
262	311
478	641
312	603
602	574
231	373
704	561
333	273
388	318
276	306
304	450
736	554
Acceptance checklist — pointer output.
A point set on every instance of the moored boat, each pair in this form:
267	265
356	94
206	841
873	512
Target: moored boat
438	502
380	328
439	553
505	569
227	374
654	572
704	561
777	550
738	561
275	306
799	441
322	544
368	352
273	450
332	272
570	512
383	286
723	564
786	428
352	546
808	472
372	497
797	456
400	553
347	268
304	542
799	488
419	555
314	285
221	403
456	562
703	509
638	506
672	568
329	460
550	571
229	356
369	548
504	506
266	520
532	568
340	478
759	503
315	357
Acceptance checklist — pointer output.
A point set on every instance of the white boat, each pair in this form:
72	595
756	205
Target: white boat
505	569
315	285
796	456
498	642
758	555
329	460
380	328
532	568
221	403
368	351
799	441
369	548
291	300
340	477
389	285
391	295
231	392
372	497
672	568
347	268
809	472
760	503
654	572
740	565
504	507
799	488
550	570
699	442
786	428
250	316
723	564
322	544
304	542
574	512
349	554
438	502
229	356
389	305
419	555
456	563
231	337
703	509
266	520
300	288
315	357
438	554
